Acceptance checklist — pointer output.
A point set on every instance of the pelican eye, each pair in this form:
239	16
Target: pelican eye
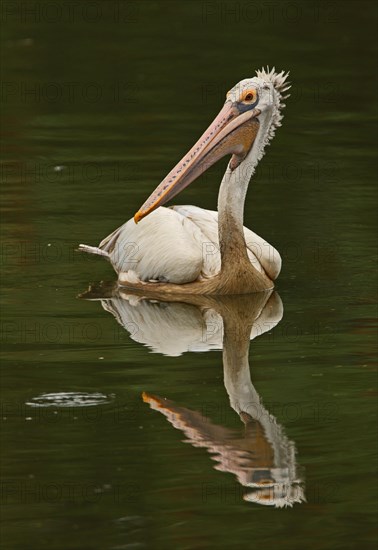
250	96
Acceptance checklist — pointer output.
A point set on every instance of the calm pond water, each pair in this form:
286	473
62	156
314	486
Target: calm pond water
120	418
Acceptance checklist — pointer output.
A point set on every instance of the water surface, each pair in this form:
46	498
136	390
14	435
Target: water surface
97	107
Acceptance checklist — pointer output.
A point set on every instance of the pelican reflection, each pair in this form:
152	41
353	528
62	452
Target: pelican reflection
260	454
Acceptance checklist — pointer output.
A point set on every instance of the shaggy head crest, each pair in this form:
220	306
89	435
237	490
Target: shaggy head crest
279	80
280	86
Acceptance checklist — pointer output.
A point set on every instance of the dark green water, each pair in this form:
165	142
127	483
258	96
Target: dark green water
99	101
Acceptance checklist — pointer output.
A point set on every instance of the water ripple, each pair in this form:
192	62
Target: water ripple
70	399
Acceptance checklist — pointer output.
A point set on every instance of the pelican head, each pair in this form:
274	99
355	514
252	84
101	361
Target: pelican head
244	126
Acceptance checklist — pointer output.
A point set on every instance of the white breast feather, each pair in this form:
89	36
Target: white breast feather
261	254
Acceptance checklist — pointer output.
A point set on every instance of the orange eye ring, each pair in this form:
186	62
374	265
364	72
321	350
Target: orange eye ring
250	96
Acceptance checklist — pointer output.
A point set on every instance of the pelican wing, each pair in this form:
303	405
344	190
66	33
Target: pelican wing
162	247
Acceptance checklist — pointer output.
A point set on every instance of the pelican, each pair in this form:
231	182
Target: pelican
189	250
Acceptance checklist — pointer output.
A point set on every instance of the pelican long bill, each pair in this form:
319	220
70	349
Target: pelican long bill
229	133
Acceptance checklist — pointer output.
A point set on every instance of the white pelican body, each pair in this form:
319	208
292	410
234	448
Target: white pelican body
186	249
179	245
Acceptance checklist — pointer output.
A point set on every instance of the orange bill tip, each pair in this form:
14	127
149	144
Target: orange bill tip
146	398
153	400
138	216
